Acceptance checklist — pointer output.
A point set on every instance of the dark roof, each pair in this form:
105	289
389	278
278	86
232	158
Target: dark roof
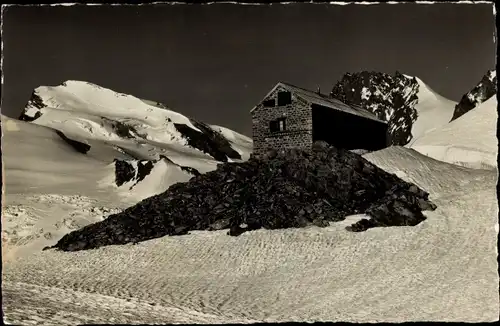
328	102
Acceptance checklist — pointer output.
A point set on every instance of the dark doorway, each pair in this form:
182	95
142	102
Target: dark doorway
348	131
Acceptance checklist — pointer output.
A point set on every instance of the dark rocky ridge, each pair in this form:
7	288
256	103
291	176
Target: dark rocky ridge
126	172
289	189
391	98
190	170
484	90
122	129
35	101
208	141
143	170
78	146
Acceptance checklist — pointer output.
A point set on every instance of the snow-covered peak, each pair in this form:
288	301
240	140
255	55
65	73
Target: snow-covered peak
89	98
410	107
484	90
145	129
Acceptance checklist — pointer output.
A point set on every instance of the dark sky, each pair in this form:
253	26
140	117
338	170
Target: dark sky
215	62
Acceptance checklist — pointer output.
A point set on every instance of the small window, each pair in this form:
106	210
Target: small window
281	123
278	125
284	98
269	103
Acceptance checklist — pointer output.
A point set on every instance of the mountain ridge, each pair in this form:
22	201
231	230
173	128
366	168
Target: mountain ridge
97	112
484	90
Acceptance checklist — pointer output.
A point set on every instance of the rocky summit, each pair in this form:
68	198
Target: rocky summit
484	90
286	189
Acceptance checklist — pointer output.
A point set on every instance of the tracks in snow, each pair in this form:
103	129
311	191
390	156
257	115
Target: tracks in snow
41	305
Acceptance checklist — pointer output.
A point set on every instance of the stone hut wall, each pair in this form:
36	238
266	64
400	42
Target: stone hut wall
298	121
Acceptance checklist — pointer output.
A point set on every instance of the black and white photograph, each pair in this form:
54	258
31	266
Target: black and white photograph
222	163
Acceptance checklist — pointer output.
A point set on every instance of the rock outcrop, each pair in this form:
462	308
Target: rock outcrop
77	145
287	189
484	90
208	141
134	171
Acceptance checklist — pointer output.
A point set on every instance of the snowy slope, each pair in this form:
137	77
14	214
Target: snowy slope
469	140
410	107
444	269
443	180
36	159
433	111
89	111
50	188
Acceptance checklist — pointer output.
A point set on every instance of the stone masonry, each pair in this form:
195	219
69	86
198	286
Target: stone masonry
298	133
